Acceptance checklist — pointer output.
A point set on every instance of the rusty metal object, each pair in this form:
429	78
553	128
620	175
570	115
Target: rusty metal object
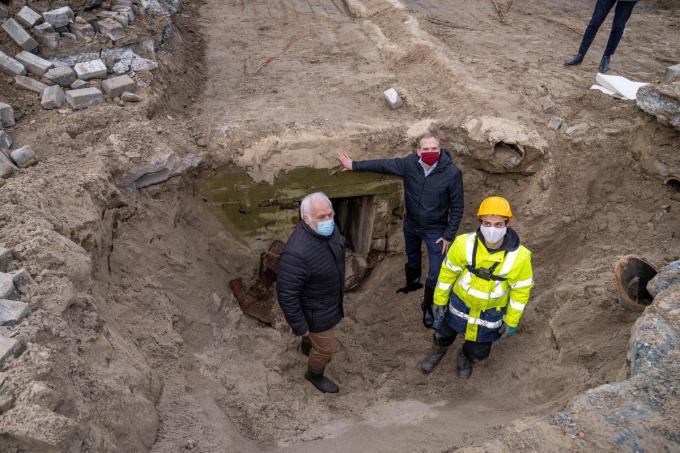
632	274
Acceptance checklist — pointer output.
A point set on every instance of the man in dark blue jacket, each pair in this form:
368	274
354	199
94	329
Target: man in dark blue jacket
433	193
310	285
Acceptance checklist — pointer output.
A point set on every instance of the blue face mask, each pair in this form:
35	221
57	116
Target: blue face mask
325	228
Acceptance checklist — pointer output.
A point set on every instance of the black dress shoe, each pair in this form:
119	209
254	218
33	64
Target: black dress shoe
604	64
321	382
573	61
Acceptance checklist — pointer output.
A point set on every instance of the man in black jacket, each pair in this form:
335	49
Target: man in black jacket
310	285
433	192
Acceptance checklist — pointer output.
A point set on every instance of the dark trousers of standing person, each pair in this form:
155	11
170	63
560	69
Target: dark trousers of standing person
622	13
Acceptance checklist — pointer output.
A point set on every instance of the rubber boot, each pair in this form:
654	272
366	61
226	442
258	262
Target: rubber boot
305	345
426	306
432	360
321	382
463	366
412	280
604	64
575	60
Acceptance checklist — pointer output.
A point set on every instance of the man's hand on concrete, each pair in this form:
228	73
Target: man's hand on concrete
445	245
346	161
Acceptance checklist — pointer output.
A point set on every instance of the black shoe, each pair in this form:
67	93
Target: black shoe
432	360
604	64
426	307
463	366
575	60
321	382
412	280
305	345
413	286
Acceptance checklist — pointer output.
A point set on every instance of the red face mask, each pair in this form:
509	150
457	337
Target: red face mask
429	157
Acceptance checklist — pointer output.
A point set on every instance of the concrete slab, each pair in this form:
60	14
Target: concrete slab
19	35
30	84
29	17
62	75
59	17
10	66
6	115
94	69
116	86
12	312
53	98
84	97
35	64
24	156
620	85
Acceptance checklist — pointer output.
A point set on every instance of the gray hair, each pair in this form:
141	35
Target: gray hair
307	201
425	136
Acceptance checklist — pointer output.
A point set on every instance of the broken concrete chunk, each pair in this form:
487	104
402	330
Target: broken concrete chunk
28	17
662	101
82	30
7	289
24	156
393	98
30	84
7	167
159	170
6	115
32	62
547	104
43	395
53	97
94	69
126	10
5	258
43	28
84	97
131	97
50	40
116	86
12	312
79	84
555	123
10	66
5	140
577	130
673	71
8	346
111	28
122	19
19	35
62	75
22	278
40	428
59	17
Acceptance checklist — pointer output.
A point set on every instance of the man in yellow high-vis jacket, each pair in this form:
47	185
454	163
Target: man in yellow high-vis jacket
483	287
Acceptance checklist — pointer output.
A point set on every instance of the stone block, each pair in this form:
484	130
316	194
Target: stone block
28	17
393	98
577	130
555	123
24	156
5	258
32	62
84	97
59	17
10	66
53	97
106	14
62	75
126	10
547	104
122	19
94	69
43	28
131	97
79	84
111	28
7	167
5	140
12	312
30	84
50	40
19	35
673	71
116	86
8	346
662	101
22	278
6	115
7	289
83	30
68	35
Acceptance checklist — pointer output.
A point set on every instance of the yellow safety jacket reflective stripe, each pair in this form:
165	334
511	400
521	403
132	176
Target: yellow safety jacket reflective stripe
479	294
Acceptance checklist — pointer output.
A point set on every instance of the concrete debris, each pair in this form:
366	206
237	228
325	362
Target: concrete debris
105	14
131	97
40	429
547	104
617	86
19	35
8	347
673	71
579	129
79	83
12	312
7	289
116	86
94	69
6	170
122	60
111	28
63	75
125	10
50	40
662	101
82	30
30	84
24	156
53	97
667	276
84	97
555	123
43	28
10	66
28	17
5	258
4	13
32	62
5	140
6	115
67	35
59	17
43	395
122	19
159	170
393	98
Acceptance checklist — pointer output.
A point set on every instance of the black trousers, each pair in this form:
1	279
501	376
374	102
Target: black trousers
622	13
475	351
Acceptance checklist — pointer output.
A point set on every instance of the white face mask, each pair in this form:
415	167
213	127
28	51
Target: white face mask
493	235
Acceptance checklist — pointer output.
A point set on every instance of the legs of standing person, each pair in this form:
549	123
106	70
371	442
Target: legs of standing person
435	259
621	15
442	338
602	8
470	353
412	269
323	348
